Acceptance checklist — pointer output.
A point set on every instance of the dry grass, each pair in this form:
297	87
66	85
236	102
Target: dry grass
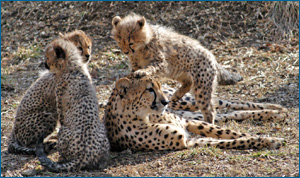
240	38
285	16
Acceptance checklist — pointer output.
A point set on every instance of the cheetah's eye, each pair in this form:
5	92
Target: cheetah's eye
80	48
150	89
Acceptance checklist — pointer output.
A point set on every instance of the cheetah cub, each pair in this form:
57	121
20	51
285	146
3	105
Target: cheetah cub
36	114
157	50
81	41
82	141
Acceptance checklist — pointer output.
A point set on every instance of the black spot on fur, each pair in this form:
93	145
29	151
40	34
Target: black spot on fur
220	102
200	127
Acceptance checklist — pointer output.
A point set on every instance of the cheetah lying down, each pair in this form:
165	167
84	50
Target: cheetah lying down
136	117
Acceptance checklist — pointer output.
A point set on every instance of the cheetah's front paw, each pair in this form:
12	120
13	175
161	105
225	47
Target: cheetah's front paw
140	73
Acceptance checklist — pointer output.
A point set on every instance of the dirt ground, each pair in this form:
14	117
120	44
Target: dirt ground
240	34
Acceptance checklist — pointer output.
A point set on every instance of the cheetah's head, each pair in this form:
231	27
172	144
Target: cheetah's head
81	41
130	32
143	96
62	55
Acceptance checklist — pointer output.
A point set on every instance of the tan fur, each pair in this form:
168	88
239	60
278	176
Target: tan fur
136	118
81	41
186	108
82	141
157	50
36	112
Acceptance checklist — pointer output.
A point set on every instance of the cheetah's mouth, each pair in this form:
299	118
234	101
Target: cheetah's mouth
154	106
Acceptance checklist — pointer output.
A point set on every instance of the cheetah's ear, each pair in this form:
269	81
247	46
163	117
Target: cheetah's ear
122	85
141	22
60	53
116	20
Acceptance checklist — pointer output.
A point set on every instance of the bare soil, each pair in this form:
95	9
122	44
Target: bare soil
241	35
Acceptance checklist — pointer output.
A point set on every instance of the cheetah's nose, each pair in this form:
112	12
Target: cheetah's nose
87	56
165	102
126	52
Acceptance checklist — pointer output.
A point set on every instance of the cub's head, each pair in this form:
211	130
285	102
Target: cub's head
62	55
143	96
81	41
130	32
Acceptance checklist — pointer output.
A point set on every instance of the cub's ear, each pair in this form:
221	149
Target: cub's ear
122	85
141	22
116	20
60	53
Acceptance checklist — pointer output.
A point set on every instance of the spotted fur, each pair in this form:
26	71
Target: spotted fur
157	50
186	107
136	118
82	141
36	113
82	41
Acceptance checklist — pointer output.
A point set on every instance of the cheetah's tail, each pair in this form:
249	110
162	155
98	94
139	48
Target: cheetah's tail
51	165
227	78
14	147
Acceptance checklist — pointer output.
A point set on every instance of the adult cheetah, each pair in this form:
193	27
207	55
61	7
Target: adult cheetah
136	118
157	50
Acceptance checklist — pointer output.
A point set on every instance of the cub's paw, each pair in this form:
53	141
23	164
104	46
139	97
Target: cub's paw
140	74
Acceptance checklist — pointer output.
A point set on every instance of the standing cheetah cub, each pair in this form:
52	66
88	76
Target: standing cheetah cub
36	114
157	50
82	141
136	118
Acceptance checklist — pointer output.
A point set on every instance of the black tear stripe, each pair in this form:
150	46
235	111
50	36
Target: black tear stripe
132	50
154	101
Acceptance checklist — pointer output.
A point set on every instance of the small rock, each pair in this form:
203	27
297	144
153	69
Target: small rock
31	172
22	68
116	51
23	158
127	151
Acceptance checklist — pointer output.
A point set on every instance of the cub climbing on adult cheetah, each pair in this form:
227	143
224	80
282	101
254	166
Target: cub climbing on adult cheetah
157	50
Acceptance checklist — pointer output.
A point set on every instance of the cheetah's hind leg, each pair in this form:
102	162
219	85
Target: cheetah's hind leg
187	103
260	115
226	138
246	105
240	143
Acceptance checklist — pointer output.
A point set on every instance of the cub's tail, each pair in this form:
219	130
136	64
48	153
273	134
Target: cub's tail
15	147
49	164
227	78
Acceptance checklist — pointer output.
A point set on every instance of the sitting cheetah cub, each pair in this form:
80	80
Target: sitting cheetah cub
157	50
36	114
82	141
